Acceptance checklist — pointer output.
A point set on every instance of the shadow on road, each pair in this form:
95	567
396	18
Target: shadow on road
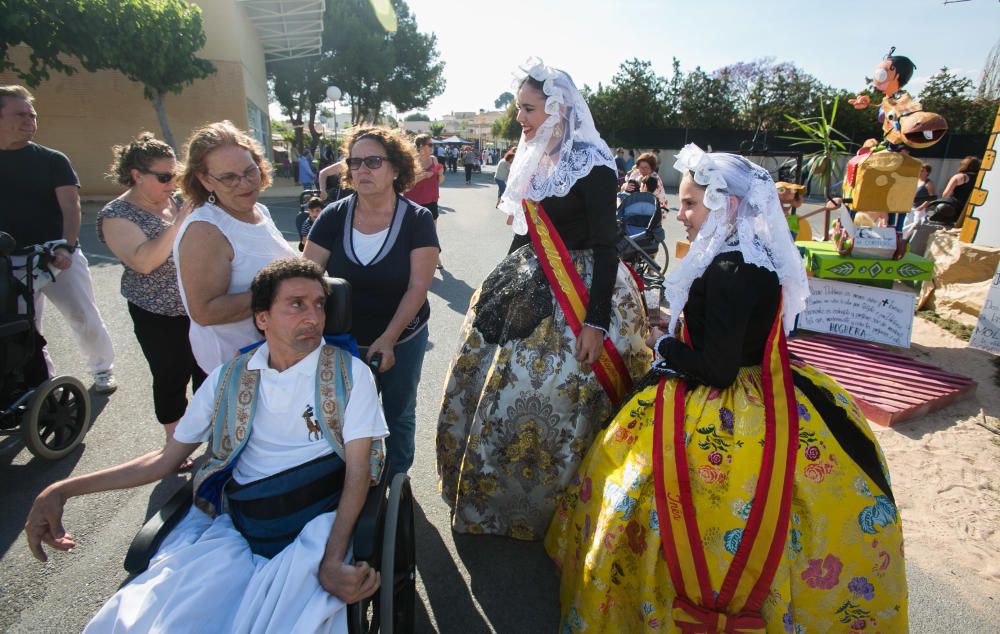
97	404
24	482
514	582
450	601
453	290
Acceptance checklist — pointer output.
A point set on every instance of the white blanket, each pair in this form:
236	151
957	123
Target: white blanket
205	579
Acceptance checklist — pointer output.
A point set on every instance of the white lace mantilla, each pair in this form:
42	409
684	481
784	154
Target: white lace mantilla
547	166
752	224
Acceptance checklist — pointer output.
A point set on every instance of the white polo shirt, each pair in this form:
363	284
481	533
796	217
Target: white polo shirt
279	437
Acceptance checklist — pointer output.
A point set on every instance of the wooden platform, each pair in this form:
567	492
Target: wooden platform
890	387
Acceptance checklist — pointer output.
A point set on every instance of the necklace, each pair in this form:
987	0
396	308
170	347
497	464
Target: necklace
154	209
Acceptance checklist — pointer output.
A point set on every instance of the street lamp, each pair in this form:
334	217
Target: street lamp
333	94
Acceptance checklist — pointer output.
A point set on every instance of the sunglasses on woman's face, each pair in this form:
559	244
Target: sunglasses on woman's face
372	162
163	177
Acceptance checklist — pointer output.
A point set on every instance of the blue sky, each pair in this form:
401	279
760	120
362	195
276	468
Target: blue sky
482	42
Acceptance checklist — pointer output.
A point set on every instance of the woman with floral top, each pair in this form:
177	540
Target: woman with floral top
139	227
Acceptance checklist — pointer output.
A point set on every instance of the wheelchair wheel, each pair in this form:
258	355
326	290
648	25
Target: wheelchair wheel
397	596
58	418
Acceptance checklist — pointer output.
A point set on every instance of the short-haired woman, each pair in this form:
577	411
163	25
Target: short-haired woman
387	248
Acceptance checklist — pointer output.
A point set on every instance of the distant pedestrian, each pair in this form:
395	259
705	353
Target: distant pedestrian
469	158
426	187
306	174
503	171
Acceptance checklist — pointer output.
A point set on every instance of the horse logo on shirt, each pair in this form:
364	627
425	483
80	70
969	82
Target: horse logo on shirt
311	424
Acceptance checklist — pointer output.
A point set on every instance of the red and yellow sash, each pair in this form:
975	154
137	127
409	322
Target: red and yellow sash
736	609
568	288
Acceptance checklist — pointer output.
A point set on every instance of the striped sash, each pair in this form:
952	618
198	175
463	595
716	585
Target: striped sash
736	608
570	292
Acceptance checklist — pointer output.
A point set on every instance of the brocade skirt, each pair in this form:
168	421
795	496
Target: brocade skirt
518	411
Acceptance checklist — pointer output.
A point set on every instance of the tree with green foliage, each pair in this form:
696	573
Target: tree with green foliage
375	67
417	116
437	128
507	127
706	101
764	92
954	98
299	86
504	99
151	43
39	25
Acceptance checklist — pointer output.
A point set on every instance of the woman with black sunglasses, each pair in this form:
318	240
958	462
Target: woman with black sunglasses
139	227
387	248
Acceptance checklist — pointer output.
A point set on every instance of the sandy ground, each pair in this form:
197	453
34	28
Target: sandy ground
944	468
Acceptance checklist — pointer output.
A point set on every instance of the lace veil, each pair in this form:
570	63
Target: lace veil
752	224
566	147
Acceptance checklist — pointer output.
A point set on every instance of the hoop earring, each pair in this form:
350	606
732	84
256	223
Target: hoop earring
211	198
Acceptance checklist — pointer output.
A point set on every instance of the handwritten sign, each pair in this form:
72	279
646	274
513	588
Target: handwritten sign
859	312
986	336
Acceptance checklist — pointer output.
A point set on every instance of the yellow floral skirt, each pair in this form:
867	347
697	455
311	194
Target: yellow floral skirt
518	411
842	568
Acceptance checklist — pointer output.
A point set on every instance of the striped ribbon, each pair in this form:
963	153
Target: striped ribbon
570	292
736	607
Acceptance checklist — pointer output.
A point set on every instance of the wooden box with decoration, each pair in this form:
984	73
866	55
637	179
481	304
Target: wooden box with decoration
823	261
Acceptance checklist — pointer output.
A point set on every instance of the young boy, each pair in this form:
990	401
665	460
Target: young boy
313	207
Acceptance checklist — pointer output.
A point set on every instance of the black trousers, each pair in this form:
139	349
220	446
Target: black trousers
165	344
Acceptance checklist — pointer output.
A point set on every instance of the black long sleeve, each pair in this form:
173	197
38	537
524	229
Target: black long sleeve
585	219
729	314
599	191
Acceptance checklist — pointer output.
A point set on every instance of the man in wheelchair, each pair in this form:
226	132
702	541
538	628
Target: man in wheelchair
295	431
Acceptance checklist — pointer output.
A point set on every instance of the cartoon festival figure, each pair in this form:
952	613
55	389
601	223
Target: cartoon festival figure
904	121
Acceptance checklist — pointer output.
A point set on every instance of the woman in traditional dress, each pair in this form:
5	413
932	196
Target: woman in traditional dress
738	491
540	366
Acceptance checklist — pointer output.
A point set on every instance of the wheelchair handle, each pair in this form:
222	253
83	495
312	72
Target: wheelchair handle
375	362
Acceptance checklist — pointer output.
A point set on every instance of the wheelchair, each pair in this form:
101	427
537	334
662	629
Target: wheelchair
52	413
641	237
384	535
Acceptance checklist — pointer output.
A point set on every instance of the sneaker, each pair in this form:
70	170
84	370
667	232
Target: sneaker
104	382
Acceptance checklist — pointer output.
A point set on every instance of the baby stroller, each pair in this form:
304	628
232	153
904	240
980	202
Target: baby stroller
53	414
641	237
303	215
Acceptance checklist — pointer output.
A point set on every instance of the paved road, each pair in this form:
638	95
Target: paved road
466	584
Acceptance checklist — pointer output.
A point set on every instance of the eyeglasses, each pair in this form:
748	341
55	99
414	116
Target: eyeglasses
372	162
162	177
232	181
789	190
